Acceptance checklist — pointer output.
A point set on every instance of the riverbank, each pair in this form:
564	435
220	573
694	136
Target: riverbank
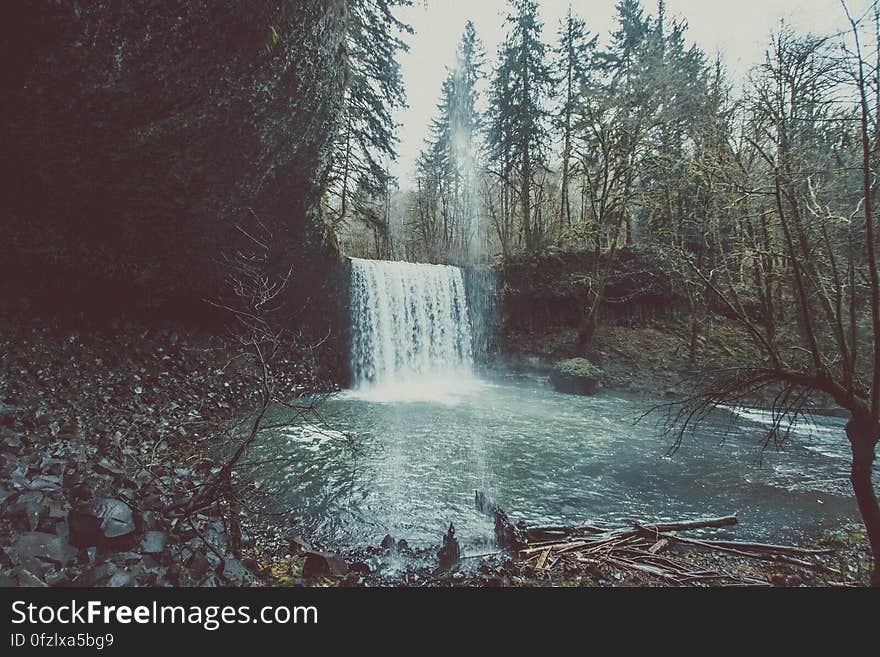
651	361
842	559
104	433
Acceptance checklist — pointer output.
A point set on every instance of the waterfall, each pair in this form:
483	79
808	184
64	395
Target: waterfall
411	330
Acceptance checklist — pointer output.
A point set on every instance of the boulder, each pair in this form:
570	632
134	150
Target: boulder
102	524
450	553
42	547
321	564
576	376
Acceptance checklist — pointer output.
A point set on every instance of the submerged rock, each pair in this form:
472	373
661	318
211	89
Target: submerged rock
576	376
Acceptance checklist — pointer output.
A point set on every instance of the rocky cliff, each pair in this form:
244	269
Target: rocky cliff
137	135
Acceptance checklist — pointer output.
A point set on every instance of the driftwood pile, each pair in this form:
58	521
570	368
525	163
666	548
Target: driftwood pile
641	548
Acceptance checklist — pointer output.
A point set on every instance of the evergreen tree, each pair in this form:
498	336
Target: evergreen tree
450	165
574	61
366	139
519	118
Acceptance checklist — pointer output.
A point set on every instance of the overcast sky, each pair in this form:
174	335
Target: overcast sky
738	29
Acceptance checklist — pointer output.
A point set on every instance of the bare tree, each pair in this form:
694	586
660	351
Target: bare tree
830	277
259	343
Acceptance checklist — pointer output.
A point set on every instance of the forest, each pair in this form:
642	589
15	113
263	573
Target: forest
619	283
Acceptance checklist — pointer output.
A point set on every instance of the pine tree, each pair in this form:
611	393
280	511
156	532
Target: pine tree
522	84
574	61
450	165
366	140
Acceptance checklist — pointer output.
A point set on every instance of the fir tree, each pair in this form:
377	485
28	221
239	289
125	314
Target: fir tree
519	128
574	61
366	140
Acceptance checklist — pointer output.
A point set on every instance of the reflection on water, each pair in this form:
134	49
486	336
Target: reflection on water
547	458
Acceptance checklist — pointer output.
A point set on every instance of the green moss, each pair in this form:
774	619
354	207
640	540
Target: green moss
579	367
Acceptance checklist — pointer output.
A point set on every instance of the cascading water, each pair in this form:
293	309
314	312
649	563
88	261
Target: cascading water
411	330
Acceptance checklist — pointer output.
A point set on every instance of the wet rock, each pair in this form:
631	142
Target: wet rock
58	578
24	577
299	544
321	564
57	510
28	508
199	564
361	568
234	571
104	466
95	576
152	502
8	410
100	523
120	578
53	466
576	376
49	483
10	442
80	492
387	542
153	542
43	547
5	494
450	553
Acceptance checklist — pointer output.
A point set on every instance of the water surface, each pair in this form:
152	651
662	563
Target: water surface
547	458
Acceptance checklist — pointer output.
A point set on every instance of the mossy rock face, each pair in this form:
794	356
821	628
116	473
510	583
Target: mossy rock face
576	376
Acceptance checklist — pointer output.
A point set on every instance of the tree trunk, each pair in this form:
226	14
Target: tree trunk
863	434
587	329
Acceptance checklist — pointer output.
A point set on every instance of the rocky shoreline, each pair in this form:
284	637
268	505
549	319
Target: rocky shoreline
102	434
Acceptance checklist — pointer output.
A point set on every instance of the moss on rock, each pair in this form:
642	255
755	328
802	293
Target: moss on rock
576	376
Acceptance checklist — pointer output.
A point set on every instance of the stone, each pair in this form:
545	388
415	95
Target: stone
450	553
29	508
576	376
95	576
100	523
10	441
199	565
44	547
153	542
299	544
235	572
49	483
120	578
27	578
321	564
361	568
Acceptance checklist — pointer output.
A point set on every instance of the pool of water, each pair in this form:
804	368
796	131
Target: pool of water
410	466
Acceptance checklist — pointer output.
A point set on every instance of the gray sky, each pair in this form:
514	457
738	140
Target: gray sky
738	29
